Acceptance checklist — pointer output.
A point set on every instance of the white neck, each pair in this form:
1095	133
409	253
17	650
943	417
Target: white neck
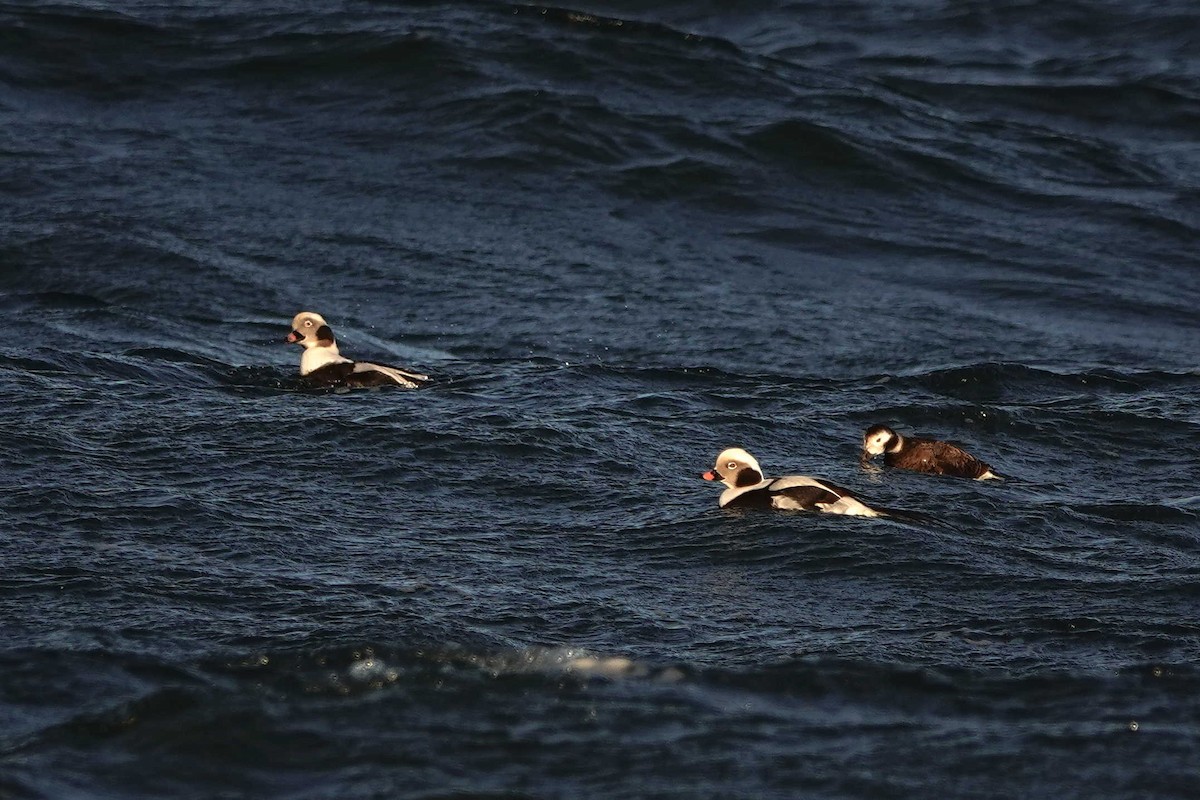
319	356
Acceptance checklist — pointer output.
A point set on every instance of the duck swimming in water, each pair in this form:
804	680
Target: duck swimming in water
322	365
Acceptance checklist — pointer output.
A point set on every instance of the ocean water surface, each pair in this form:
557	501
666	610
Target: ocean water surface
622	237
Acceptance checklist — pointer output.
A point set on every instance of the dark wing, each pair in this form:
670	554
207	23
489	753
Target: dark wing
360	375
800	498
363	379
797	498
807	497
938	458
804	493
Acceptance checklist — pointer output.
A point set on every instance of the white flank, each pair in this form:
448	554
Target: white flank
848	506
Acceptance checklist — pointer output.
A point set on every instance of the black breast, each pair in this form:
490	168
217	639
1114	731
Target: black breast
329	375
758	498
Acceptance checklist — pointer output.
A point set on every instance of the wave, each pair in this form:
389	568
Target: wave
568	100
285	46
994	379
164	690
342	671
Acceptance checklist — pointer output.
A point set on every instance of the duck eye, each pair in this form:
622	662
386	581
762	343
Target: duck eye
308	323
731	465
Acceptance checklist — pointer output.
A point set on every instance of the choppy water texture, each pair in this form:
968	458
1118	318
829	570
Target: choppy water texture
622	237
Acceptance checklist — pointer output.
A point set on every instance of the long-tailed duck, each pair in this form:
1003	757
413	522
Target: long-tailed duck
748	488
922	455
322	364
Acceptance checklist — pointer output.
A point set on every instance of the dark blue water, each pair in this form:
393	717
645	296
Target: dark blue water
622	238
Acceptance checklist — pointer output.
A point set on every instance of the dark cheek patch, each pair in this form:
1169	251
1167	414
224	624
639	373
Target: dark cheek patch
747	477
324	334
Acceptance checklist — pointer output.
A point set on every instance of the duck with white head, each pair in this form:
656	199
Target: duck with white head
323	365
